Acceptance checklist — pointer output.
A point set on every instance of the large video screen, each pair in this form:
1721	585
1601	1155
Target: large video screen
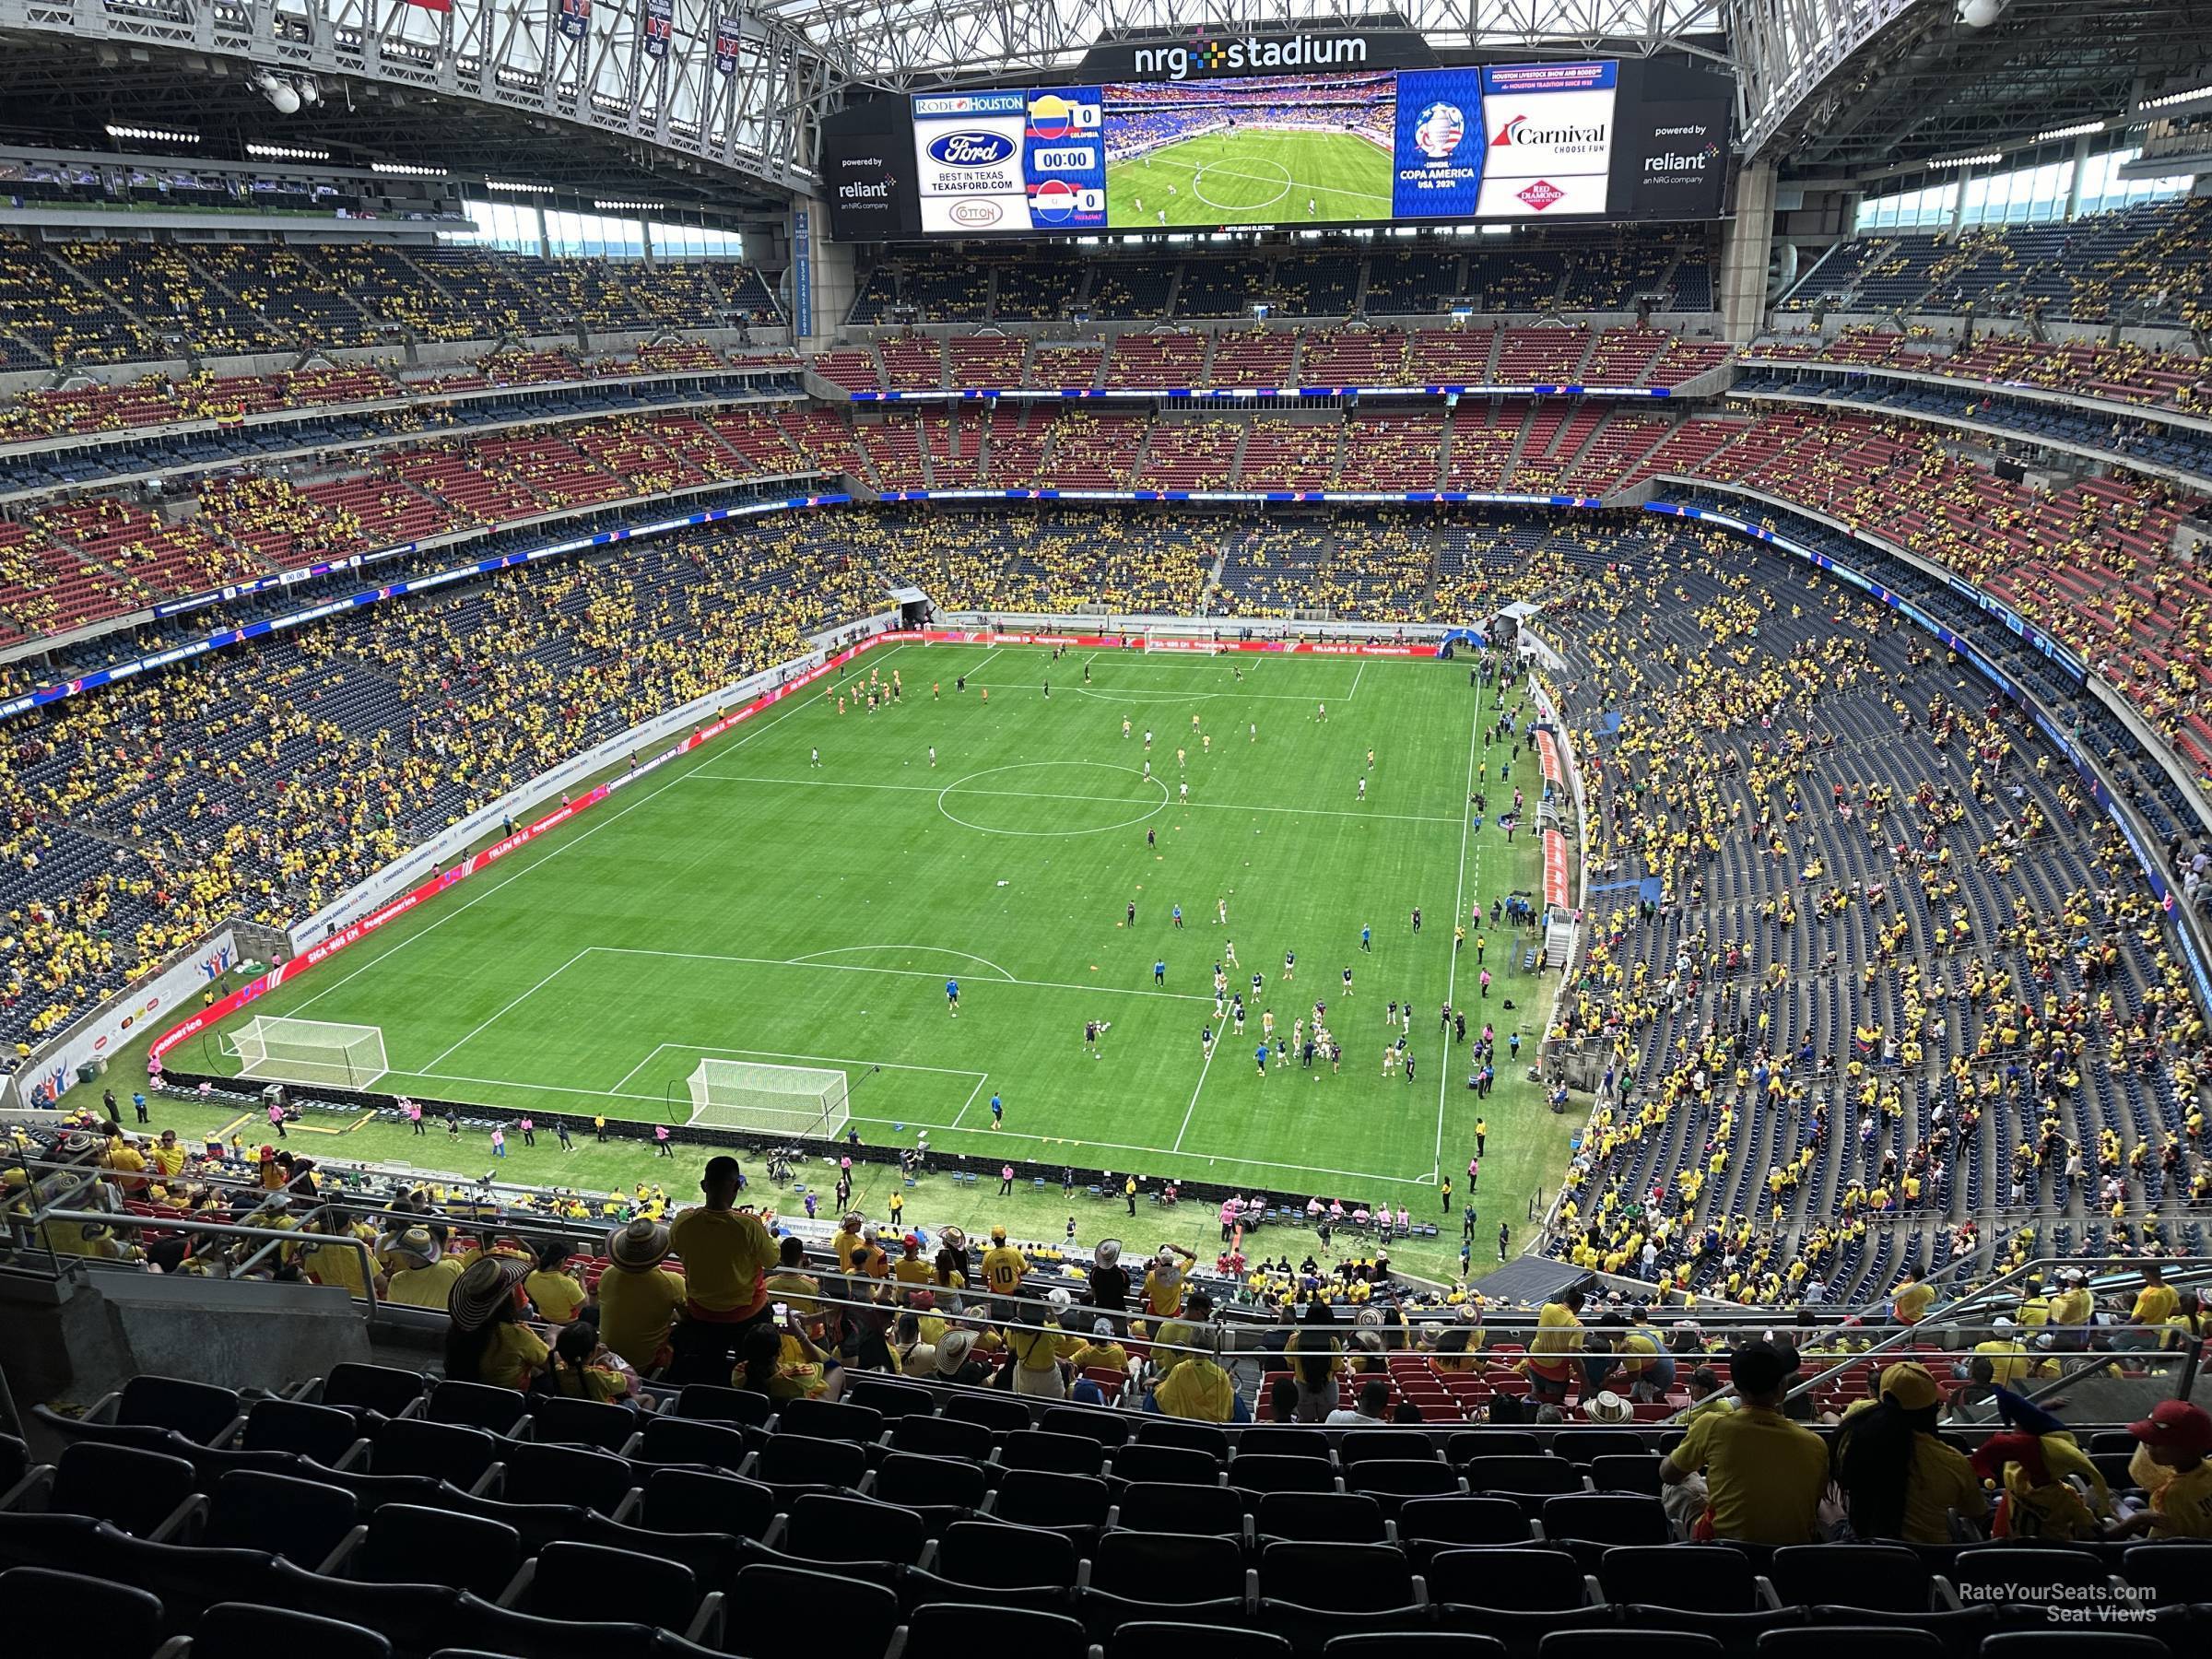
1517	141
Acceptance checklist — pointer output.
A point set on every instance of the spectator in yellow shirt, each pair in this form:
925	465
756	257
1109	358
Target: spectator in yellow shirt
2175	1438
554	1292
1900	1479
486	1340
639	1298
2156	1304
726	1253
422	1273
1910	1304
1763	1475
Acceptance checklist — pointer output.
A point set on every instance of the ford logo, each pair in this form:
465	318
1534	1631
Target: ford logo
970	149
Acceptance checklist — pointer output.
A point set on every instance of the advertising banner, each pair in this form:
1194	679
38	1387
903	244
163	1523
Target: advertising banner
1440	147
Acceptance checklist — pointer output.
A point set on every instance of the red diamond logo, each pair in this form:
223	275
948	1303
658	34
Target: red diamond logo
1541	196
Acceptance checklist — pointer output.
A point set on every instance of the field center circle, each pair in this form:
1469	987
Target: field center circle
1067	793
1283	190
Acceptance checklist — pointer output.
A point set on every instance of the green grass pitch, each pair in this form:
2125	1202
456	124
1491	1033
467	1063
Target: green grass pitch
1252	177
747	903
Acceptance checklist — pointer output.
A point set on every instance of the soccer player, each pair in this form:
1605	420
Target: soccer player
1159	971
933	754
1124	728
1390	1018
1236	1009
1193	723
1222	912
1091	1036
813	757
1348	982
1259	986
1147	771
1390	1058
1048	690
1205	1042
952	997
1181	754
1370	759
1289	964
1228	950
1367	939
1417	918
1130	919
1267	1024
1177	914
1260	1054
1254	728
1321	714
1363	786
1206	741
998	1111
1147	740
1183	792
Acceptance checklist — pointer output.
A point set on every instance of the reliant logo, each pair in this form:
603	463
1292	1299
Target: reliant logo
1519	131
1204	57
970	149
864	192
1675	162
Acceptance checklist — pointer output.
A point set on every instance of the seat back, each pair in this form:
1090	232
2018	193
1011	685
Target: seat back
1147	1639
1548	1476
304	1520
477	1405
830	1419
941	1437
1513	1580
384	1389
1109	1428
712	1402
1371	1445
1003	1557
691	1501
558	1420
322	1433
1054	1453
587	1582
1168	1567
1153	1506
409	1546
947	1631
134	1490
1185	1464
1885	1577
824	1527
1699	1578
55	1614
1463	1521
1605	1518
780	1610
1037	1498
538	1474
454	1452
929	1482
1283	1440
1270	1472
682	1440
198	1411
1338	1578
1175	1431
1319	1517
239	1627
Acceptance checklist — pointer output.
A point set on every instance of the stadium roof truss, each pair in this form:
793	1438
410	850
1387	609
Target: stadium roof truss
904	42
758	118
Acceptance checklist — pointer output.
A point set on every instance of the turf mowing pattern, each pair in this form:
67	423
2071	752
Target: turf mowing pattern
1252	178
746	904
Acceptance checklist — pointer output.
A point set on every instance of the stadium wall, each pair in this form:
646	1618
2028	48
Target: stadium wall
52	1069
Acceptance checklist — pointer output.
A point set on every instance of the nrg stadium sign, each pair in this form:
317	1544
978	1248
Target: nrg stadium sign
1213	55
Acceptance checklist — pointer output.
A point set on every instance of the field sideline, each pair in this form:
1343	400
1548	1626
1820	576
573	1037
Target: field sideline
749	903
1251	178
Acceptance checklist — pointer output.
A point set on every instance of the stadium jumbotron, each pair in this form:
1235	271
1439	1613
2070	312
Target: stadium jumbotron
852	823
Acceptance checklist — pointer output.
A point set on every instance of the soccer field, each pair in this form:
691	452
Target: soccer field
747	905
1252	177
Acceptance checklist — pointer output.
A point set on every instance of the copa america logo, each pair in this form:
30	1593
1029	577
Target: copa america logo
1440	128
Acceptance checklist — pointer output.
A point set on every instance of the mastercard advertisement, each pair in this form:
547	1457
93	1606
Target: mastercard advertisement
995	161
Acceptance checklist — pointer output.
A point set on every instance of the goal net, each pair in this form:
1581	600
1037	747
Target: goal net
309	1051
769	1100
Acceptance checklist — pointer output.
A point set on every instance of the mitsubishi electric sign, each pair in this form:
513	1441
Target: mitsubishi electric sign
1220	52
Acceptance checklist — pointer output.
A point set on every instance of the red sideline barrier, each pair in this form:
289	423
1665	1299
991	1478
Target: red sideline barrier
987	636
1554	869
1549	752
353	933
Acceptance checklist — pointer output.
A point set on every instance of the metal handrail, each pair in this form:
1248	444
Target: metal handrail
274	1237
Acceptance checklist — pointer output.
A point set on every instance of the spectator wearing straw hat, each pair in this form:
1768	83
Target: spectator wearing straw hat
639	1298
422	1274
1900	1479
956	1360
485	1341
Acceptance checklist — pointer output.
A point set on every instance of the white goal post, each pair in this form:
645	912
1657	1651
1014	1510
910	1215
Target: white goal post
307	1050
769	1100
